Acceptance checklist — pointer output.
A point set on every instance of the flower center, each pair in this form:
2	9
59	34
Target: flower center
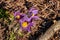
24	24
32	14
18	16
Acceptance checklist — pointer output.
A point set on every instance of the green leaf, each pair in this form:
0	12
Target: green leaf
20	33
12	36
11	17
3	13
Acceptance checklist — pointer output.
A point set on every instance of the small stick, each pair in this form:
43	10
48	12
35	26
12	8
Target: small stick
50	32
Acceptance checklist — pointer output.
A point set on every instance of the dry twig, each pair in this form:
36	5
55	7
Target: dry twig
50	32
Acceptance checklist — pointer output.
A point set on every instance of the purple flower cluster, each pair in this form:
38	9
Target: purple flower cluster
26	22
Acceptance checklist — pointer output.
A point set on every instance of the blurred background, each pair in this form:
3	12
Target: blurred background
46	28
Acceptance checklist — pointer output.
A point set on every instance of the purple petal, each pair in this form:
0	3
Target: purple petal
23	14
35	12
17	13
29	26
31	9
35	17
20	21
26	18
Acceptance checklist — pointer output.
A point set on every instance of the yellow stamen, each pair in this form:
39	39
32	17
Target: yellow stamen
24	24
32	14
18	16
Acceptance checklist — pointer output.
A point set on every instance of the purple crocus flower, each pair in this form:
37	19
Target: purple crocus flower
26	24
18	15
32	12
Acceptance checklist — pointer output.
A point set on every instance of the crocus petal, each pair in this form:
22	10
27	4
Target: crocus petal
35	17
31	9
17	13
23	14
35	12
26	18
29	26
